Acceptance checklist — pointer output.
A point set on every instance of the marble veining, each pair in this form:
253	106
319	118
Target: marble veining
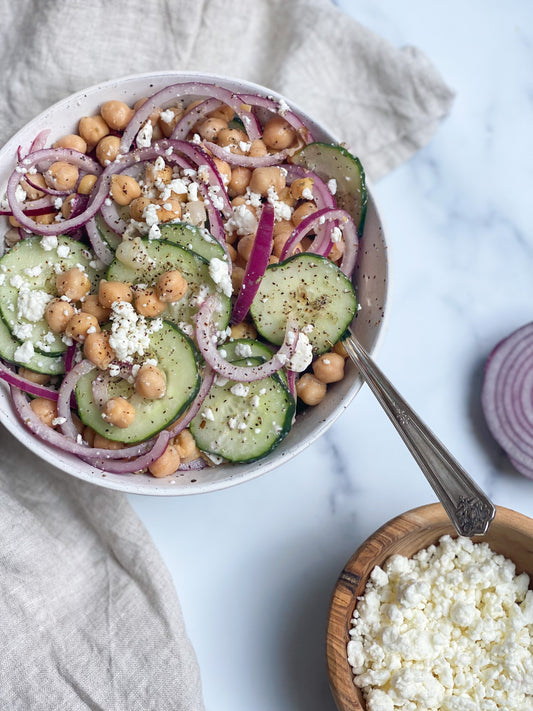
459	222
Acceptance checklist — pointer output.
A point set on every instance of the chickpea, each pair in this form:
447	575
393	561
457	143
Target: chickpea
111	291
57	314
100	442
310	389
258	148
336	252
91	305
33	377
237	277
168	124
243	330
46	410
230	138
278	134
74	284
151	174
303	211
147	303
171	286
285	196
167	463
62	175
233	254
81	325
66	207
72	141
86	184
170	209
279	243
107	149
116	114
47	219
224	169
186	446
301	188
124	189
239	181
273	259
88	435
137	208
11	237
224	112
211	127
31	192
150	382
282	227
92	129
264	178
244	246
340	349
329	367
13	222
96	348
118	412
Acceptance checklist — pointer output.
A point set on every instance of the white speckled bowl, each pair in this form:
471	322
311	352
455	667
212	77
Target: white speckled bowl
371	279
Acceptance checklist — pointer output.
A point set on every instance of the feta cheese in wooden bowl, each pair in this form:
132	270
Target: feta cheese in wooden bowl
422	619
151	224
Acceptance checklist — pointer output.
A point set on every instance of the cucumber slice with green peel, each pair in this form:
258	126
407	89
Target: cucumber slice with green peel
194	238
163	256
110	238
310	289
333	161
177	357
27	275
38	362
242	422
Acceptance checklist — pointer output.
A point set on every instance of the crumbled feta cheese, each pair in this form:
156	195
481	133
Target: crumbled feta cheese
144	137
282	211
31	304
167	115
22	331
303	355
20	193
242	221
24	353
240	390
48	243
332	186
243	350
219	273
207	414
58	421
336	234
428	629
150	214
63	250
33	271
130	332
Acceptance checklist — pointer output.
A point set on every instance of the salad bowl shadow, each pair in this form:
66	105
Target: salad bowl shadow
510	534
370	278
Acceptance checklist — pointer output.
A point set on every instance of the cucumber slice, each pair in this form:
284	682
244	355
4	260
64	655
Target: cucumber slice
193	238
38	362
242	422
29	268
176	357
310	289
163	256
110	238
333	161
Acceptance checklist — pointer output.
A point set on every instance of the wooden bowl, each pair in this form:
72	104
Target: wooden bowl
510	534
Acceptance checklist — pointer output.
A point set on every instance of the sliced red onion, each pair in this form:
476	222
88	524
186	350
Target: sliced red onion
39	142
68	357
507	397
322	195
279	108
206	338
62	226
291	382
45	189
138	463
65	394
65	444
190	118
27	385
174	92
244	160
256	265
100	248
345	222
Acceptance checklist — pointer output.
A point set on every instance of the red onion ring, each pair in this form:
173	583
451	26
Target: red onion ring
207	343
58	440
68	357
66	392
190	118
256	265
26	385
507	397
244	160
100	248
177	91
138	463
274	106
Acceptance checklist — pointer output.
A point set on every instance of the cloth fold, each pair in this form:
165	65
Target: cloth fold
90	618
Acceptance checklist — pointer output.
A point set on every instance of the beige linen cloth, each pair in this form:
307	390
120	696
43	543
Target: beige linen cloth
89	617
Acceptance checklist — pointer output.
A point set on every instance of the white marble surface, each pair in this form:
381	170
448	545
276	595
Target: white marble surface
254	565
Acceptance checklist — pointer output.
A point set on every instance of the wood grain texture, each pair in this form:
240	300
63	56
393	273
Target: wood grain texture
510	534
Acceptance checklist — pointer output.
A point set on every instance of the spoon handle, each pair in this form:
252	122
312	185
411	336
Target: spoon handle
465	503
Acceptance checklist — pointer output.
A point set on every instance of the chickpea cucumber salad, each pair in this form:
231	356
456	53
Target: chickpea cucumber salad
176	279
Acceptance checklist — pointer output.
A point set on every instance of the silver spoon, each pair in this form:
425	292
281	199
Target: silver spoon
468	507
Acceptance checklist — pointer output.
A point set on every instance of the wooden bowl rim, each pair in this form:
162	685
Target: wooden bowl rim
343	599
